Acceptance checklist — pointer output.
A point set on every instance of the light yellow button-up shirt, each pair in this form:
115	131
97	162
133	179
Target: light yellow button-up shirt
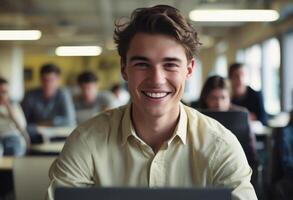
106	151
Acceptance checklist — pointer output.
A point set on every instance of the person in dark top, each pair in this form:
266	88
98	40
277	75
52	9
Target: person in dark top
244	95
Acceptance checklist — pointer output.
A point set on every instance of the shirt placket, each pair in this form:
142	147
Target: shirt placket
157	171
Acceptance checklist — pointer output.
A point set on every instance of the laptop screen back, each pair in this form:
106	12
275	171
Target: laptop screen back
142	194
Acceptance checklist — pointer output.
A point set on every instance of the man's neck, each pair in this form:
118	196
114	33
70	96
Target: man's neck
48	96
239	92
90	100
154	130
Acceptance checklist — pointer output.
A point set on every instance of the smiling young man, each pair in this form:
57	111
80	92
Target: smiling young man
154	141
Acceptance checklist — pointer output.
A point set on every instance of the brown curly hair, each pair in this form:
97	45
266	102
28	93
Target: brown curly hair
160	19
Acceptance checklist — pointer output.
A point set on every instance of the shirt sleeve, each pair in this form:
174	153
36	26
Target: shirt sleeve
66	117
230	169
74	166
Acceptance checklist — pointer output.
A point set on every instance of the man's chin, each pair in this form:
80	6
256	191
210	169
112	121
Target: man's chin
156	112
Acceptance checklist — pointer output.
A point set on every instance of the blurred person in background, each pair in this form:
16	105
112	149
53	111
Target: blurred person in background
215	96
13	136
90	101
244	95
121	95
49	105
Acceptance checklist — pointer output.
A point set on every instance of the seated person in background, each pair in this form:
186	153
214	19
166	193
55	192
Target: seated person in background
90	101
121	95
13	137
155	140
48	105
215	96
244	95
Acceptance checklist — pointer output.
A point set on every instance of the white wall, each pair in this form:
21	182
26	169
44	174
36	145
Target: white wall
11	68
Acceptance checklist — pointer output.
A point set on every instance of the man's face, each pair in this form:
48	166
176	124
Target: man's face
3	93
50	84
156	69
89	91
238	78
218	100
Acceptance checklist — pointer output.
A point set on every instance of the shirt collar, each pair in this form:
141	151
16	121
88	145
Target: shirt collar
128	130
181	128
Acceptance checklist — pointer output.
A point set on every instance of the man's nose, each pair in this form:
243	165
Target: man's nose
157	75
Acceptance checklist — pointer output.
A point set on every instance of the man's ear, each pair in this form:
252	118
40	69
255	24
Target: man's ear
123	70
190	67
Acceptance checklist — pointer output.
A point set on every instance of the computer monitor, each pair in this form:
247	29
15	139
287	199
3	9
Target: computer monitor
142	193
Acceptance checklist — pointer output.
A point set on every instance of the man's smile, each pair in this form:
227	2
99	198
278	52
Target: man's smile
155	95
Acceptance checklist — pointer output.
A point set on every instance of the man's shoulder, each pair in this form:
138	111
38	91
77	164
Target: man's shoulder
32	95
252	92
34	92
62	91
105	96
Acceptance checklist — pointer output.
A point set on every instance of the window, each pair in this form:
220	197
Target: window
220	67
288	71
253	62
193	84
271	76
240	56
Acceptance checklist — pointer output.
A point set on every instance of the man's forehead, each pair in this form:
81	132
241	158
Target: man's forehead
145	46
48	75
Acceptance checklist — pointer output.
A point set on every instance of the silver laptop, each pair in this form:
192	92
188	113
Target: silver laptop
142	194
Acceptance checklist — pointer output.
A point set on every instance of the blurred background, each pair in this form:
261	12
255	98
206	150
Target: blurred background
263	42
264	46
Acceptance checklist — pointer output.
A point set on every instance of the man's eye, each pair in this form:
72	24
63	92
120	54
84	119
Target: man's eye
171	65
143	65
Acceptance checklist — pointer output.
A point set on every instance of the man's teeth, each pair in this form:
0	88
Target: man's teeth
156	95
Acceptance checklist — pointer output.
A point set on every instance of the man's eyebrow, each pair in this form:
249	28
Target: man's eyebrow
135	58
172	59
167	59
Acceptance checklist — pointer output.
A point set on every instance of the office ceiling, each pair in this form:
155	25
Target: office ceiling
90	22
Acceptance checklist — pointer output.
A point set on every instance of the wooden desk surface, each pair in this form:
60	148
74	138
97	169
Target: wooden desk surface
50	132
6	162
53	147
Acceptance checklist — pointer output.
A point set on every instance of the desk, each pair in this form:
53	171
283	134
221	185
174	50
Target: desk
259	129
47	148
54	132
280	120
6	162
